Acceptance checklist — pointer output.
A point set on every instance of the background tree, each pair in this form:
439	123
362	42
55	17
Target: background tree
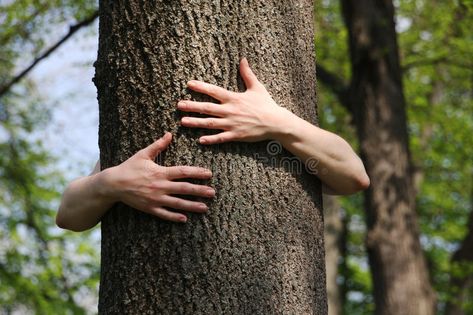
400	278
335	247
376	102
461	276
260	247
434	48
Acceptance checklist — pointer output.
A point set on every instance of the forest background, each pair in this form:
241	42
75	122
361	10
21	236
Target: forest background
48	136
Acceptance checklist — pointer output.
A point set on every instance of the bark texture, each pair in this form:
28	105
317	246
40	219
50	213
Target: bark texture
399	271
259	250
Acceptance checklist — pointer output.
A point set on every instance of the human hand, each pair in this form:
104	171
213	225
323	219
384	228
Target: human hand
249	116
144	185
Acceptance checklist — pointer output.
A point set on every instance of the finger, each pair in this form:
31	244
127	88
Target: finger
222	137
180	172
158	146
182	188
216	92
168	215
202	108
183	204
208	123
250	79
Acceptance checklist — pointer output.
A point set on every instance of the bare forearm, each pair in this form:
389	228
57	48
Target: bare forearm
254	116
329	156
84	202
140	183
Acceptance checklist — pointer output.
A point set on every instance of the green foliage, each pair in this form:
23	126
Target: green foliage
28	24
437	51
435	48
42	269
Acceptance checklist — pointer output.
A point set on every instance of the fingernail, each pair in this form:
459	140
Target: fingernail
181	103
203	206
203	140
211	192
183	219
191	83
184	120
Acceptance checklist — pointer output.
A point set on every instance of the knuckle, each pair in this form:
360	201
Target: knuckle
157	200
183	171
238	99
158	185
180	203
202	190
210	122
238	133
193	189
230	136
150	201
157	172
186	188
180	186
231	110
201	172
205	107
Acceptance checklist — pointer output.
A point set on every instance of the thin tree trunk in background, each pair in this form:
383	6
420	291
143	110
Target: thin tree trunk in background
461	281
259	250
334	242
399	271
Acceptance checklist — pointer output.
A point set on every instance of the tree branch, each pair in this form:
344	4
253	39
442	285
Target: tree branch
73	29
336	85
423	62
434	61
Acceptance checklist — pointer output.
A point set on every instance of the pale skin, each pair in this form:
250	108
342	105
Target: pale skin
249	116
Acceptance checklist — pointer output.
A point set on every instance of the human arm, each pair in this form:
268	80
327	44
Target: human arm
138	182
254	116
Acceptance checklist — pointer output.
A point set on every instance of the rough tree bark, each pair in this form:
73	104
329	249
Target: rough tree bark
259	250
399	271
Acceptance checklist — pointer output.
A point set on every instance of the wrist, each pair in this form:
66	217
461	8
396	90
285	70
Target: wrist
284	125
104	185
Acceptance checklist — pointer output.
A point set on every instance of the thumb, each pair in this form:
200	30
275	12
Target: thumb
250	79
158	146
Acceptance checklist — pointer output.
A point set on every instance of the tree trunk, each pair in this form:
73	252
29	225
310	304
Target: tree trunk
461	278
259	250
399	271
335	231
